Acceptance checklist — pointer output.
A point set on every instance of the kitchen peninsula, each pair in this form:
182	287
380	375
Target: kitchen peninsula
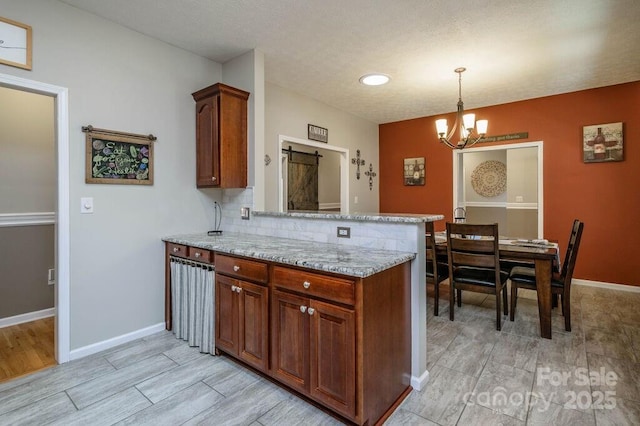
332	319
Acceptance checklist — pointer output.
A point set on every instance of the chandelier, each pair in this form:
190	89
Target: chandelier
465	123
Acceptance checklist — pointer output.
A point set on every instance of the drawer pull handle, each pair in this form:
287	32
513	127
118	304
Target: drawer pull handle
306	284
176	249
303	309
310	311
236	268
197	254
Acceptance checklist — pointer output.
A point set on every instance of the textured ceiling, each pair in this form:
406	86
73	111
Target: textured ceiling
512	49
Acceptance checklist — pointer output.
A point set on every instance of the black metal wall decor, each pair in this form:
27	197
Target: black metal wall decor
371	175
358	162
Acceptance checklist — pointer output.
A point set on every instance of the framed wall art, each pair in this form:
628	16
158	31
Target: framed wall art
118	158
602	143
15	44
414	171
317	133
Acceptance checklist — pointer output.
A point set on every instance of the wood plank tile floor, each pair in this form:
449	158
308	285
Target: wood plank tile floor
26	348
477	376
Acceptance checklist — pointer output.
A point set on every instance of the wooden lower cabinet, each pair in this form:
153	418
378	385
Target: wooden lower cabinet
333	378
313	349
242	319
342	342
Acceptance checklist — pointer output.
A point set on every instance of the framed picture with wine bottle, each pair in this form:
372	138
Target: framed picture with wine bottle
602	143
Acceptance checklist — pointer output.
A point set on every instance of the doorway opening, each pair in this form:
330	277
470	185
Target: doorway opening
503	184
338	174
61	220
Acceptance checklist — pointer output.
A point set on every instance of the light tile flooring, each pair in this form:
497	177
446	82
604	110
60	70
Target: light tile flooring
478	376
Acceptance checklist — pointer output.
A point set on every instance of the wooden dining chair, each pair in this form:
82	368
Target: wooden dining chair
437	268
474	264
560	282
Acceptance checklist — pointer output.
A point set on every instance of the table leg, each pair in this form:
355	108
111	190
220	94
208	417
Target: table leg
543	285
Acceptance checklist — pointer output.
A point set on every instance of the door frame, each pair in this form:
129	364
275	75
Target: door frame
62	249
458	174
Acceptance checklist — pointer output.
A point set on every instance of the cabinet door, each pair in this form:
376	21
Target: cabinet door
207	142
290	340
333	378
253	328
226	314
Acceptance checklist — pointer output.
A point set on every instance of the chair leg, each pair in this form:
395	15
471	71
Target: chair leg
436	293
459	294
498	311
514	297
504	300
452	296
566	310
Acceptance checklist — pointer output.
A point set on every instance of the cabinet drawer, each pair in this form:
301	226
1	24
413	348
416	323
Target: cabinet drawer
336	289
242	268
177	250
201	255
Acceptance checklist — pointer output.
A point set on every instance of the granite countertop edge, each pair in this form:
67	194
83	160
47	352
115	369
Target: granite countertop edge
340	259
363	217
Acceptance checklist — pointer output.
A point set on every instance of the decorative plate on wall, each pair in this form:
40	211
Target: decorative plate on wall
489	179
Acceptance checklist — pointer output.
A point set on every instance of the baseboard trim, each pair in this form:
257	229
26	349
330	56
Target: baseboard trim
115	341
28	317
610	286
418	383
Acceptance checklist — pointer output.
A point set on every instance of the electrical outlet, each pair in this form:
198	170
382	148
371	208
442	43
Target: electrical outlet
519	198
245	212
344	232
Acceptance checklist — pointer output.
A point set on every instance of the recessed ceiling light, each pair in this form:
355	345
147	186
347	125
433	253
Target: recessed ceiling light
374	79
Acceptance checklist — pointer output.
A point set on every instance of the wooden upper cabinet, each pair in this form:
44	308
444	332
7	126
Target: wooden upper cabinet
221	137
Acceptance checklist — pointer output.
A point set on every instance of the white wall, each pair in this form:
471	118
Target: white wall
288	113
27	152
120	80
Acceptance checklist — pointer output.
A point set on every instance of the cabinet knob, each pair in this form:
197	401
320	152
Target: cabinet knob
176	249
213	178
310	311
303	309
306	284
238	290
233	288
197	254
236	268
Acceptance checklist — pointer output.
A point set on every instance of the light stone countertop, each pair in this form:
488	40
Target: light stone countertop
363	217
347	260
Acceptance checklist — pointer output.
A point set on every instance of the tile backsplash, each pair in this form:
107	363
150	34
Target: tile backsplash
380	235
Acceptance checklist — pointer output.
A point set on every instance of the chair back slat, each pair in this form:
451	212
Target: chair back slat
471	245
432	260
473	259
430	239
566	274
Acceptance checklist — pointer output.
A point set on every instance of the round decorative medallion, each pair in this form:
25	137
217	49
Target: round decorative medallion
489	179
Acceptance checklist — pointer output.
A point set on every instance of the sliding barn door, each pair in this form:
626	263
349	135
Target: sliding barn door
302	182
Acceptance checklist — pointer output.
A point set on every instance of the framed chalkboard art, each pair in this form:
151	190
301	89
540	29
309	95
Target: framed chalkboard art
117	157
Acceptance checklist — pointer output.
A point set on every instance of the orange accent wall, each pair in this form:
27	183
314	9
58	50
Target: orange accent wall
605	196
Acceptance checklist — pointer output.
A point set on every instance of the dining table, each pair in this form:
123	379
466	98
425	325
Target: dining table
542	254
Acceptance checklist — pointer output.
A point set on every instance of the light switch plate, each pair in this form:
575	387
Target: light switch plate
86	205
